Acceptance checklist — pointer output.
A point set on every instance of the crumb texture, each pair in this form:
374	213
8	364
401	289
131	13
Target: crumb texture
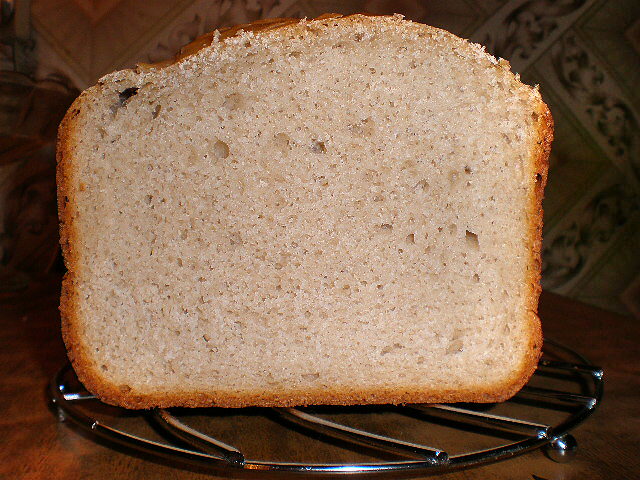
320	208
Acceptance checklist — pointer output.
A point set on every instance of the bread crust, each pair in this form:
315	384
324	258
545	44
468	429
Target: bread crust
540	156
72	327
69	303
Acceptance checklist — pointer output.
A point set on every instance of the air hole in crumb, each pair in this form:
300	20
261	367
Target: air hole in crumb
206	338
378	198
149	199
156	111
220	149
467	170
126	94
282	141
534	116
411	238
295	54
538	178
364	128
422	185
310	376
472	240
358	37
125	388
318	147
455	346
234	101
476	277
104	368
390	348
235	238
386	227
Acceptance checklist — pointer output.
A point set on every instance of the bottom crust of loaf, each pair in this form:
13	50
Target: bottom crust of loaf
114	395
123	396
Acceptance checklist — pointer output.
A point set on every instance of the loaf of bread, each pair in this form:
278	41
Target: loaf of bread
344	210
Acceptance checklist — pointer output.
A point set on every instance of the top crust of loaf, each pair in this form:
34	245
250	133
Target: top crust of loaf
68	185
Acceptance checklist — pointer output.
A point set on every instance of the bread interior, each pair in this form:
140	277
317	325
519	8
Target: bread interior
347	209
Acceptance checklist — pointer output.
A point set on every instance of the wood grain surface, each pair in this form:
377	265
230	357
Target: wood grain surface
35	445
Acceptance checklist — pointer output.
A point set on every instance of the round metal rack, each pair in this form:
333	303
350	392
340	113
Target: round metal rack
563	392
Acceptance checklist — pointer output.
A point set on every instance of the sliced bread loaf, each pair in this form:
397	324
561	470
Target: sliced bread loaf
344	210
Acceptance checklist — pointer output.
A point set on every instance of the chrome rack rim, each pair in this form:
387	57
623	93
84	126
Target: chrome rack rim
211	453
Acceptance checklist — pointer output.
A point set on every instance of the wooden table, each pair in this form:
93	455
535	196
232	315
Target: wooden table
35	445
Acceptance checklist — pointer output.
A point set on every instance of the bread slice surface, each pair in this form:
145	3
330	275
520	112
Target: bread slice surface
344	210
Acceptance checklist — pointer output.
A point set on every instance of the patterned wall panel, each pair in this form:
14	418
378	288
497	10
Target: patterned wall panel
585	54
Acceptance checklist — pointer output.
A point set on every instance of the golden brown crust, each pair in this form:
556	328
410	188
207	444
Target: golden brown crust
69	304
112	395
89	374
68	236
540	166
540	156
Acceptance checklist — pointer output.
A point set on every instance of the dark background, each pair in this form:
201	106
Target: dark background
585	54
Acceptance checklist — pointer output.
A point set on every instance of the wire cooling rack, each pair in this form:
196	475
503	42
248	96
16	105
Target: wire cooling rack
416	439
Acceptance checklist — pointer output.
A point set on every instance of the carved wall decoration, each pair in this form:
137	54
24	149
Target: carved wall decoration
589	89
30	111
522	30
528	25
567	253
